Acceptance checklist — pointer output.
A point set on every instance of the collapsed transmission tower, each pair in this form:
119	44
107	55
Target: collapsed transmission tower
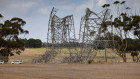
60	30
60	36
92	35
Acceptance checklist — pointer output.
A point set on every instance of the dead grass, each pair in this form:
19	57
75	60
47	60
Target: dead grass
31	53
28	54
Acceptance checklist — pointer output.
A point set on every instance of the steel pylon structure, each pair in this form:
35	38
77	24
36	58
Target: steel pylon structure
60	30
62	45
60	38
91	25
61	35
92	34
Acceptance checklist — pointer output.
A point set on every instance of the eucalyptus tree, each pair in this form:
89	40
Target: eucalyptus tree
125	25
10	42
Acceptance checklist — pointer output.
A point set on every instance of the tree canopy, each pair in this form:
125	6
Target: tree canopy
10	42
125	24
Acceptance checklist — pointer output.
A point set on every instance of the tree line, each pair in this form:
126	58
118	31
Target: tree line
32	43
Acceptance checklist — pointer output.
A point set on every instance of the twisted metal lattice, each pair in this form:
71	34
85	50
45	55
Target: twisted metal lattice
92	34
61	36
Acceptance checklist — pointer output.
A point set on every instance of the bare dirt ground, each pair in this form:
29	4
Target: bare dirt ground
70	71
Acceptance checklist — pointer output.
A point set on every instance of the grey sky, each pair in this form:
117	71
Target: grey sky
36	12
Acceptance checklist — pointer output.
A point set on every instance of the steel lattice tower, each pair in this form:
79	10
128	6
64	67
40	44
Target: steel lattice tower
91	33
61	33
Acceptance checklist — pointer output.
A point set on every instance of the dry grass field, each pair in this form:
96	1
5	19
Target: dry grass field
28	54
31	53
67	70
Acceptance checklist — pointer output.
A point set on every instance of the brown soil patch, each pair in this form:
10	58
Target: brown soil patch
70	71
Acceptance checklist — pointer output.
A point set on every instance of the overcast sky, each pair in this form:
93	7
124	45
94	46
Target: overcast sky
36	12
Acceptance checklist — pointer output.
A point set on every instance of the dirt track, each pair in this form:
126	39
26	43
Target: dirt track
70	71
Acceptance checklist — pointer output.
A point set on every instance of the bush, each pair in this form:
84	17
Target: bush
89	61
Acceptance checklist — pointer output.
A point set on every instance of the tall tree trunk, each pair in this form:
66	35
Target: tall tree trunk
137	59
124	57
133	58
